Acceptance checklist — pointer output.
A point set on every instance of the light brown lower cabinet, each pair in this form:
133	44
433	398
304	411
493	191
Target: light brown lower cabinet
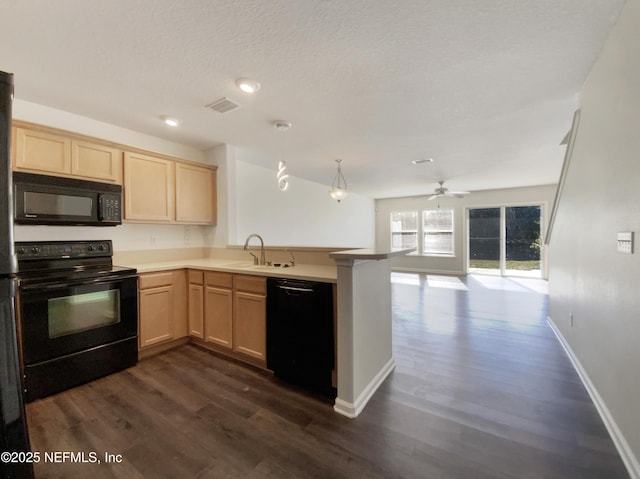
196	303
161	307
250	316
224	311
156	306
233	312
218	308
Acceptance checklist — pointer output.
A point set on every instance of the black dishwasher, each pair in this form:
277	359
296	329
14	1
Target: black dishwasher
300	347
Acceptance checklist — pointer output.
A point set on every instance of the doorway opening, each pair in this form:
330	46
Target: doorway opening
505	241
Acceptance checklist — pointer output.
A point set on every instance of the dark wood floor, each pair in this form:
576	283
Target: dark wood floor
482	389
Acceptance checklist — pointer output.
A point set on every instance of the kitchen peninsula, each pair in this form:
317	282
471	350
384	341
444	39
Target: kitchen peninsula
363	326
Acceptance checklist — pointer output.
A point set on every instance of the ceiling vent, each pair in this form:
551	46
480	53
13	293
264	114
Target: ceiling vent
223	105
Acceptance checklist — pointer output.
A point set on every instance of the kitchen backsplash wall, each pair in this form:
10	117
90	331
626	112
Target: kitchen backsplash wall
125	237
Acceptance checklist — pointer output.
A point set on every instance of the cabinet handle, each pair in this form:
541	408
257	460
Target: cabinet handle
291	288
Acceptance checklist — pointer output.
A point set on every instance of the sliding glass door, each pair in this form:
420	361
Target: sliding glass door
522	240
484	240
505	240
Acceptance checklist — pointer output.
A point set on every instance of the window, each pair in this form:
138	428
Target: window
505	240
431	236
404	229
437	228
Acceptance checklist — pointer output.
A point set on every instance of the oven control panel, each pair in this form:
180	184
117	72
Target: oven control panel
62	249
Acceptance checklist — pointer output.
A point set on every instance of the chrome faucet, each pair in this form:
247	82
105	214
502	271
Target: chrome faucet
255	258
293	258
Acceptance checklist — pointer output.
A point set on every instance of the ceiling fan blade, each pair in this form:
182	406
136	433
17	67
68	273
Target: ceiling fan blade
432	197
458	193
442	191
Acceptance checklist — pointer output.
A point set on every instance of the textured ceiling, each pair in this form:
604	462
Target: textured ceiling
487	88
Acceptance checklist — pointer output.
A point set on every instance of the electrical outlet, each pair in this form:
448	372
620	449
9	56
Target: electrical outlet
152	240
187	235
571	318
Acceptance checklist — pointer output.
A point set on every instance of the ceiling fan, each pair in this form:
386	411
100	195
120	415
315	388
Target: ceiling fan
442	191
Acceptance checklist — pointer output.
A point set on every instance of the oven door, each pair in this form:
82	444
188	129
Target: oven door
66	317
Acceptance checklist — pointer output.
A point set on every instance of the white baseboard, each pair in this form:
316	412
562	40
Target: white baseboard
627	455
428	271
352	410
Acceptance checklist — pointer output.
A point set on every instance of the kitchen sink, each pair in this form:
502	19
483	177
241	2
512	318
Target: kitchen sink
238	264
249	265
270	267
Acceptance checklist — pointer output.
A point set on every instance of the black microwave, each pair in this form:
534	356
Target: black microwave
53	200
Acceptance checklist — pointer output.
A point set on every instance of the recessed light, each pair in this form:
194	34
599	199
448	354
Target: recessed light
422	160
170	121
281	125
247	85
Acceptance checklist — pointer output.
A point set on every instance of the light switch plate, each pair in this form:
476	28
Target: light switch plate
625	242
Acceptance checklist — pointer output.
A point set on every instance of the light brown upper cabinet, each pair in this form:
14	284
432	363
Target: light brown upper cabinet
42	152
160	190
46	152
157	188
195	194
97	162
149	191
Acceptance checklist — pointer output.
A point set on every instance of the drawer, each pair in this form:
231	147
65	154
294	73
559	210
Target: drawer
196	277
154	280
221	280
251	284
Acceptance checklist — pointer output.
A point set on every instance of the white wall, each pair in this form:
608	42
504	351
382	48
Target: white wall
126	237
601	196
223	156
457	264
303	215
63	120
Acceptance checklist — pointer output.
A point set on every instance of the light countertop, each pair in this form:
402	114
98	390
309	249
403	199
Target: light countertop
310	272
369	254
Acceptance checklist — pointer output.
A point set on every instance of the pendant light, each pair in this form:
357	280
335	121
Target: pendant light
282	176
339	186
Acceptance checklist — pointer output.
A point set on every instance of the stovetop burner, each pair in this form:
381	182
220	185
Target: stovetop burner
40	250
47	260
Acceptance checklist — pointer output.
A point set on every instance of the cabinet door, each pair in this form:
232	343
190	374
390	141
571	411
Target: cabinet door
180	304
196	312
195	194
42	152
249	324
96	162
148	188
155	310
218	316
